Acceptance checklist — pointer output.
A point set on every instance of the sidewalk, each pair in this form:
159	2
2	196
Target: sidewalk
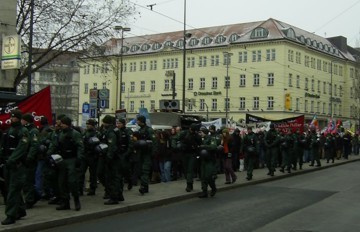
44	216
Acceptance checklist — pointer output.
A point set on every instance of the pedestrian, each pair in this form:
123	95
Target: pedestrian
227	143
14	148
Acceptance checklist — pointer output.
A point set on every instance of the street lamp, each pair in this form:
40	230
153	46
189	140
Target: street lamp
331	84
185	36
122	29
227	80
31	33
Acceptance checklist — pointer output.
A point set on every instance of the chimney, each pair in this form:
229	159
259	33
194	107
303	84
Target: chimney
340	42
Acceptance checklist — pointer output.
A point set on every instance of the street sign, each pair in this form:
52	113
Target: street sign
93	103
104	104
104	94
86	108
93	93
93	113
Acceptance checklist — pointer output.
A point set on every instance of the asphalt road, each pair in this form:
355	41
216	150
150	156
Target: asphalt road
326	200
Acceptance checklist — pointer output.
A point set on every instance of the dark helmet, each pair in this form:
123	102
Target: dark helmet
204	153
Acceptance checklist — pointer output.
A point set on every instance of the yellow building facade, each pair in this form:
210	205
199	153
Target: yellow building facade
267	68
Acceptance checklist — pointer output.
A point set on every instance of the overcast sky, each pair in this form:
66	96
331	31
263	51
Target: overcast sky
326	18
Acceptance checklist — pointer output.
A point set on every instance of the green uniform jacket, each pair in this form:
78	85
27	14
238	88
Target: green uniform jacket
14	145
34	143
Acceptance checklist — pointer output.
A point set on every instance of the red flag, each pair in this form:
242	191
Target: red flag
38	104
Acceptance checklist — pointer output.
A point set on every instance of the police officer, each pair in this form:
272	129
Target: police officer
91	140
71	149
111	162
251	151
272	150
50	172
298	148
125	151
287	151
30	195
190	142
146	149
13	152
208	163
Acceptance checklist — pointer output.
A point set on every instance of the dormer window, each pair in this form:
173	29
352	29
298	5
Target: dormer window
125	49
193	42
134	48
326	47
207	40
220	39
290	33
321	46
259	32
180	43
168	44
302	39
308	42
314	43
156	46
233	38
145	47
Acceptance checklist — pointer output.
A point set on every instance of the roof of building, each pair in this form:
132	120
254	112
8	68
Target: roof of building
220	36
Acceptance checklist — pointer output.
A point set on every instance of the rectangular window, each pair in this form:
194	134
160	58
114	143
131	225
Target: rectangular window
323	108
227	59
313	62
268	54
132	106
256	79
227	82
297	81
318	107
132	86
297	104
306	105
202	105
313	85
227	103
253	56
104	85
142	86
190	84
312	106
259	56
202	83
153	85
242	80
152	105
123	87
95	86
270	103
242	103
270	79
298	58
318	86
318	64
214	104
290	80
192	62
151	65
142	104
306	84
291	55
214	83
256	103
307	61
167	85
273	54
245	57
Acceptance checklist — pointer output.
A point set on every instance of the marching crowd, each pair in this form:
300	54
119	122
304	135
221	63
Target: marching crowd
51	162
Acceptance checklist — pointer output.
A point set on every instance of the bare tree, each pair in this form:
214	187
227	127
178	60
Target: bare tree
68	25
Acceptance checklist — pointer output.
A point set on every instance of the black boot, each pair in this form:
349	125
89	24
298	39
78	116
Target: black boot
21	213
65	205
111	201
77	203
204	194
213	192
121	197
189	187
143	189
8	220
